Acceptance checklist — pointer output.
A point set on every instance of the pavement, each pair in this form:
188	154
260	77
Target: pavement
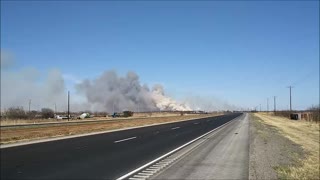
225	155
103	156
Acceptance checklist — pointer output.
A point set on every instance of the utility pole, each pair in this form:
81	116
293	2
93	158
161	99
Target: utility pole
55	108
29	105
68	105
290	97
274	104
267	104
260	107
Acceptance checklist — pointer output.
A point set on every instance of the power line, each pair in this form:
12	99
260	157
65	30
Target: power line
274	104
29	105
68	105
306	76
267	104
290	87
260	107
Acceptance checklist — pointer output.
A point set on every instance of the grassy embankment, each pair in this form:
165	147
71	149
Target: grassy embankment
302	133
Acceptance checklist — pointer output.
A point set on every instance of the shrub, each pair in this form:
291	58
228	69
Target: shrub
16	113
32	114
47	113
315	111
127	113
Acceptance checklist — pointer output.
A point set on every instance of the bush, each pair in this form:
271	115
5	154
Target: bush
127	113
284	113
32	114
100	114
16	113
47	113
315	111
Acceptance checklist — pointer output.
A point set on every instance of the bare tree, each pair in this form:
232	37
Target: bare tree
32	114
47	113
315	111
16	113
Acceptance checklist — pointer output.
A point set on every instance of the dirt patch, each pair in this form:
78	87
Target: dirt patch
33	133
270	151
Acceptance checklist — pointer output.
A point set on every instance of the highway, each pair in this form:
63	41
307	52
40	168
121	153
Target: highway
224	155
102	156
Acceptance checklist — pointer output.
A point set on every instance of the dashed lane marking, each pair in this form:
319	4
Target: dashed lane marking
127	139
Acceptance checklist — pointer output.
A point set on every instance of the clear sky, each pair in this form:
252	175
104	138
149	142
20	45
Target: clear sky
242	52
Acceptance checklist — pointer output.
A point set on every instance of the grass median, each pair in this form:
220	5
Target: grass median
14	135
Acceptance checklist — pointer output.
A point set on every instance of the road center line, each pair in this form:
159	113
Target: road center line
195	123
124	139
175	128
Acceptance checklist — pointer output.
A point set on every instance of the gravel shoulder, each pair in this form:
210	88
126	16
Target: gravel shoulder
273	154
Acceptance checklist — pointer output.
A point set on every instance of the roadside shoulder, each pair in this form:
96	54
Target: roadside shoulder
270	150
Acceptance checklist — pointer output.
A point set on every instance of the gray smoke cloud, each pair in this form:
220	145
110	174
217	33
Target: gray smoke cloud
7	60
20	86
109	92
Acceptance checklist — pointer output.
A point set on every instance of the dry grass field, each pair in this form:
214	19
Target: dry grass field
305	134
6	122
31	133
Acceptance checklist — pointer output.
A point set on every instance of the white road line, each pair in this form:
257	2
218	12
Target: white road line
132	178
124	139
175	128
162	163
145	174
149	171
195	123
140	176
156	166
171	152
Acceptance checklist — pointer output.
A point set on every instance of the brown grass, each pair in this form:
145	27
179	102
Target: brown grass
32	133
6	122
303	133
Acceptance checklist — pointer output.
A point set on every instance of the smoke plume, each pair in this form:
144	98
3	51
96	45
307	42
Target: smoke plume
166	103
110	92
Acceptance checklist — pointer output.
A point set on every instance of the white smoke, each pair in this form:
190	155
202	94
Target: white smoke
208	103
166	103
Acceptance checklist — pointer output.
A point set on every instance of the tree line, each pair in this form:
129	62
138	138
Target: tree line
20	113
44	113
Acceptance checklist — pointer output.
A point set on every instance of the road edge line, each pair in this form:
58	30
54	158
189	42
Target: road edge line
173	151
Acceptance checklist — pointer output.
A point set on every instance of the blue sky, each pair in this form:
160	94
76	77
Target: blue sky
240	52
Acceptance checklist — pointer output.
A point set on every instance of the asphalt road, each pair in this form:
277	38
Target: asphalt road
225	155
102	156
